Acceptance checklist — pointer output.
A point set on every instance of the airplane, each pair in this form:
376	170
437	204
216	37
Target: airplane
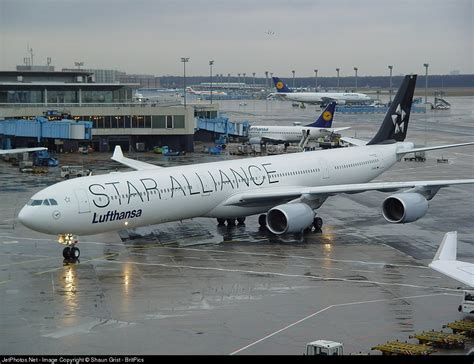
445	262
21	150
137	97
194	92
162	92
286	190
320	98
293	134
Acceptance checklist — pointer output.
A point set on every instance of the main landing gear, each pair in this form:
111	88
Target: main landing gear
71	253
231	221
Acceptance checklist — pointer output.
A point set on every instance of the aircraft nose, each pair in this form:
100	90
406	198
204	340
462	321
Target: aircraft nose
24	216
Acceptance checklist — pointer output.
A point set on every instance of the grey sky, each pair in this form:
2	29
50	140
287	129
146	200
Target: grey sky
145	36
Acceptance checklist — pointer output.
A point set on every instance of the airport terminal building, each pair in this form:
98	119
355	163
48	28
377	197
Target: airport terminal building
115	116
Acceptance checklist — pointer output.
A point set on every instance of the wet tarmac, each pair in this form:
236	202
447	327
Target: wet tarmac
192	287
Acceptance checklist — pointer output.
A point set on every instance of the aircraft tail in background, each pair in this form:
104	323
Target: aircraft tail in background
326	117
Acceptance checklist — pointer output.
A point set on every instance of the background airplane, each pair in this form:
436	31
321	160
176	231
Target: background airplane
194	92
318	97
445	261
259	134
285	189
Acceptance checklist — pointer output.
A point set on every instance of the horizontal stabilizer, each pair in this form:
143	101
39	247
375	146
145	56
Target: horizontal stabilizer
132	163
337	130
445	261
425	149
354	141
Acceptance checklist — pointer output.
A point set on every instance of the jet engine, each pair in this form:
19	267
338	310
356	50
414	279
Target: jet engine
289	218
404	207
255	140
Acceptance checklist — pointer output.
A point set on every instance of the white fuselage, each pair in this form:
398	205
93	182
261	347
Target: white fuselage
321	97
118	200
291	134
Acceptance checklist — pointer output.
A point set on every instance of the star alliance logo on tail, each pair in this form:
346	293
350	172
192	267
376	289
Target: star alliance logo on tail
399	112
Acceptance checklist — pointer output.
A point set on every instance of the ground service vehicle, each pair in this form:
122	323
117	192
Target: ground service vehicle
74	171
324	347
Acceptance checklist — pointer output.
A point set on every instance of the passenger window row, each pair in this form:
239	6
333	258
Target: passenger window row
342	166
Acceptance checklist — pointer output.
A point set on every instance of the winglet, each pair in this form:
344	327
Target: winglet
117	153
138	165
448	248
445	261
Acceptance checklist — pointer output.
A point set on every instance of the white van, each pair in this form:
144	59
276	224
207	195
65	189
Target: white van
74	171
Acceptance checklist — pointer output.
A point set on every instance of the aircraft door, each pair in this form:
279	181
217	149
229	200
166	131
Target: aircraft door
325	169
82	201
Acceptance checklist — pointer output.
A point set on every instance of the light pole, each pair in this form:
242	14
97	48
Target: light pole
184	60
316	80
355	69
238	74
390	87
253	74
337	70
210	66
228	78
293	71
426	82
243	74
266	80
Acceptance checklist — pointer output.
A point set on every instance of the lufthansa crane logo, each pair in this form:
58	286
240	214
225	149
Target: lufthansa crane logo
327	115
279	85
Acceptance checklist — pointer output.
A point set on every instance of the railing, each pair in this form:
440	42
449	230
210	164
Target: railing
84	104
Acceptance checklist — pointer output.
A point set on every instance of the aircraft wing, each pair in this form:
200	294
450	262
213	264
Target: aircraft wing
132	163
21	150
311	193
328	99
445	261
273	140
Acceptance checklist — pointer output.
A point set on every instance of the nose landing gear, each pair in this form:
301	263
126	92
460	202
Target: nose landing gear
71	253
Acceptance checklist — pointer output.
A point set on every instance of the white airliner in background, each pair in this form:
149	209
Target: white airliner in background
261	134
194	92
445	262
289	188
340	98
21	150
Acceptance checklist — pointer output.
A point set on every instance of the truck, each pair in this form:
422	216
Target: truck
42	158
324	347
467	304
74	171
417	157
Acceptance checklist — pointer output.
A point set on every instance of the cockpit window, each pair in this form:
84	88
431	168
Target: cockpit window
35	202
46	202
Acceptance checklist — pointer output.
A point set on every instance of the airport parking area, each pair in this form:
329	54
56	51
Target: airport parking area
193	287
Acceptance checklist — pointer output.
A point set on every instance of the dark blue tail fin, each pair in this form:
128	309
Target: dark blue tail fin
325	119
394	126
280	85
